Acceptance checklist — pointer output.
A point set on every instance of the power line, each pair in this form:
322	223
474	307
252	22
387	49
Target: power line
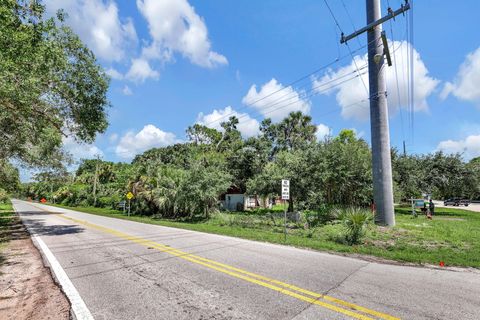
333	16
289	85
297	95
348	46
351	20
412	72
404	80
315	92
396	74
356	67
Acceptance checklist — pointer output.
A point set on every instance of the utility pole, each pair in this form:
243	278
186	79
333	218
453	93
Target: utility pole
95	182
381	158
382	162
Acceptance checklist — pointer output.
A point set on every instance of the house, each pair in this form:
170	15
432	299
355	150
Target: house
234	200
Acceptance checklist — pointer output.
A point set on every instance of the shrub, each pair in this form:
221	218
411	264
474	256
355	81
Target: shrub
3	196
355	220
322	215
109	201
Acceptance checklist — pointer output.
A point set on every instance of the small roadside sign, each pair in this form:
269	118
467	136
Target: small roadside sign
43	200
129	196
419	203
285	189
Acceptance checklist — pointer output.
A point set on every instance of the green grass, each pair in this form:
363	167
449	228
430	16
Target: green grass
6	221
453	236
6	216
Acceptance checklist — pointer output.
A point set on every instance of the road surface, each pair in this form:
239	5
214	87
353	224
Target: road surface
128	270
471	207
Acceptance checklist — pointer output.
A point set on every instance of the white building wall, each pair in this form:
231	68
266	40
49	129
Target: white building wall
232	200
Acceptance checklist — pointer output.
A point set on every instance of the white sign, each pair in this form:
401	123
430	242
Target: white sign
285	189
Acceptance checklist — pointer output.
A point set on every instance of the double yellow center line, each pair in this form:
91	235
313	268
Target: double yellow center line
328	302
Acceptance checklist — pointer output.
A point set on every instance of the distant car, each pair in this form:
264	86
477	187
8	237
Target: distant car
464	202
452	202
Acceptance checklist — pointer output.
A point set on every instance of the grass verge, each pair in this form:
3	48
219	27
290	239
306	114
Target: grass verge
7	216
452	237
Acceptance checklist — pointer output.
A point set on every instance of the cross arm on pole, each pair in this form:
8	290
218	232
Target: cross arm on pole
386	51
391	14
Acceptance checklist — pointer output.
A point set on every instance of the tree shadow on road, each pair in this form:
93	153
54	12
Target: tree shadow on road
38	226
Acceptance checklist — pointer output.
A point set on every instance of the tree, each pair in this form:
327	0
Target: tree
347	175
291	165
205	183
231	138
9	176
248	161
51	85
408	176
474	168
52	177
447	176
442	175
296	131
335	171
200	134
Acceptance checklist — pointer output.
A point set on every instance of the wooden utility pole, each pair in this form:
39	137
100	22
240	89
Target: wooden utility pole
381	158
95	182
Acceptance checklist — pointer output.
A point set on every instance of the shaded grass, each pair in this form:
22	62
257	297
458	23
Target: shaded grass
453	236
7	222
6	218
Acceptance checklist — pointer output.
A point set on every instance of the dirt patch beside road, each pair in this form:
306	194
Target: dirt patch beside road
27	290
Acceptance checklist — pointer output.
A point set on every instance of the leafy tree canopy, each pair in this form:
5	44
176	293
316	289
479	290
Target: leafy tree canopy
50	85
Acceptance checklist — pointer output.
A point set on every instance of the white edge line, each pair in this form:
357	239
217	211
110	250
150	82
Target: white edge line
79	308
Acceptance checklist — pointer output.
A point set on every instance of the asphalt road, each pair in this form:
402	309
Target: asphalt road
129	270
471	207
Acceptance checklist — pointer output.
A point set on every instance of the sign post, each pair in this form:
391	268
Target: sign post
129	197
285	196
417	204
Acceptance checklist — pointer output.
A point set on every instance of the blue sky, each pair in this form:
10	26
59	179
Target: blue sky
177	62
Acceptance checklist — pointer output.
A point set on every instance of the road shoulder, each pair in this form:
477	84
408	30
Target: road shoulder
27	289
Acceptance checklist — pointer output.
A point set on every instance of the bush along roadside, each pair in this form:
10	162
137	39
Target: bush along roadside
7	217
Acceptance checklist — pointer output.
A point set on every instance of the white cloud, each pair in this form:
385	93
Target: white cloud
127	91
113	137
140	70
114	74
98	24
323	132
149	137
80	150
358	134
352	97
470	147
175	27
276	105
466	84
247	126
